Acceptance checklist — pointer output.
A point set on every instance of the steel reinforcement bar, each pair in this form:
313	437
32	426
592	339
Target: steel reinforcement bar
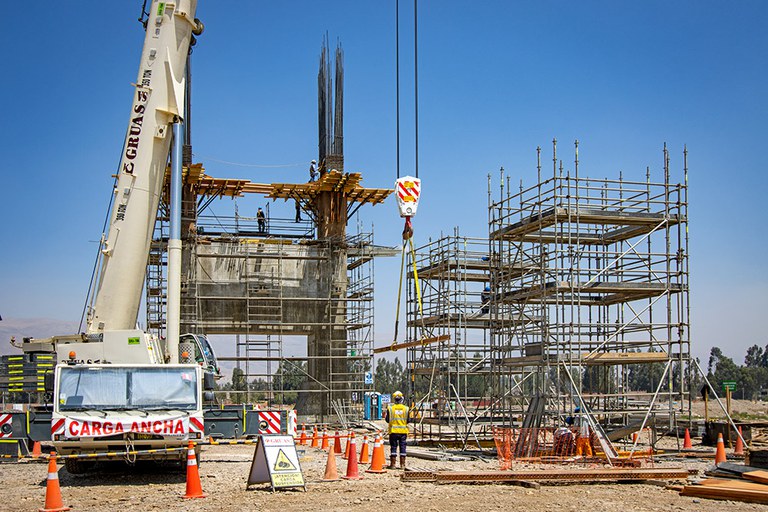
548	475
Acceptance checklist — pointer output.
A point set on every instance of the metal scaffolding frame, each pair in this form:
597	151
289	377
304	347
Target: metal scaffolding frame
453	272
589	279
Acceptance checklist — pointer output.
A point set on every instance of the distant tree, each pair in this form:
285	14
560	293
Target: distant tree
754	357
290	376
390	376
645	377
715	354
721	367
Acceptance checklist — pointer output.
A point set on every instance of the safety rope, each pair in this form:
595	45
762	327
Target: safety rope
408	243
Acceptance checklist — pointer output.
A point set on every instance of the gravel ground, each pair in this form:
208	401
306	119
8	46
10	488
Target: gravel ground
224	472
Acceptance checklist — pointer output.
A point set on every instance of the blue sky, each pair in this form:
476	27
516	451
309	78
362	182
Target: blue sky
496	79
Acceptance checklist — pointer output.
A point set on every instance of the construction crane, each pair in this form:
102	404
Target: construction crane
114	379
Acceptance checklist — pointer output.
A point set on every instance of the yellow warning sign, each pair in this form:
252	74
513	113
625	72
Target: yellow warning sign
276	462
283	463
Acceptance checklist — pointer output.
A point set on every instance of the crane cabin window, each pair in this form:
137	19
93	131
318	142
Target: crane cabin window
127	388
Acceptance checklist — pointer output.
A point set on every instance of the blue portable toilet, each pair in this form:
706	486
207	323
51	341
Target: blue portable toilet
372	405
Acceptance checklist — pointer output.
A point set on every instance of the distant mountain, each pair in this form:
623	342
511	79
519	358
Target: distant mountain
31	327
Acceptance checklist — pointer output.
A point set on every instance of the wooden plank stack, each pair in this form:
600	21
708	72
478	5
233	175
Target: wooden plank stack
735	482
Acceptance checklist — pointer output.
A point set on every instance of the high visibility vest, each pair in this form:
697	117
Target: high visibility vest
398	419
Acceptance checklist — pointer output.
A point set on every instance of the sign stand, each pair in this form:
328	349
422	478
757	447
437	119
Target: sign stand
276	462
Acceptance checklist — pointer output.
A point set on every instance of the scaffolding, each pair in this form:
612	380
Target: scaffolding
451	373
589	283
272	290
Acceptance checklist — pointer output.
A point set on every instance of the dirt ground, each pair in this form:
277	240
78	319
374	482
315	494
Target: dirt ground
224	471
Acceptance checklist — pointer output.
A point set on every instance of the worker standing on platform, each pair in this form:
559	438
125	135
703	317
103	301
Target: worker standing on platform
298	211
485	299
262	220
312	171
583	443
397	418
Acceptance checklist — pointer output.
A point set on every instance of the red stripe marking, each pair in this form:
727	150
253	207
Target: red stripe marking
196	424
59	425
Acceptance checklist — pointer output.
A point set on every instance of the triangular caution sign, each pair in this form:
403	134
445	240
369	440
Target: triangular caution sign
276	461
283	463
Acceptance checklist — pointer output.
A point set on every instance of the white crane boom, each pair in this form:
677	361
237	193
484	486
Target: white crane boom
158	102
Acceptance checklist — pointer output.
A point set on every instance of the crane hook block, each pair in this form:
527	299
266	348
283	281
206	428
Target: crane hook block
408	191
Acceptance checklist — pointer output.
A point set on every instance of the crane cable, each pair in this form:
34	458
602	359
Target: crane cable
408	227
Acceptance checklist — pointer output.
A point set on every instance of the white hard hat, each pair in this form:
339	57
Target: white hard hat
314	161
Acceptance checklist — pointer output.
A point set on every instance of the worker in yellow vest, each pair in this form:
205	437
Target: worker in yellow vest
397	418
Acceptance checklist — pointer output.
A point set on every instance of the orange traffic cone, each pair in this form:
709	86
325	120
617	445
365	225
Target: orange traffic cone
687	440
337	443
53	501
324	444
303	436
37	452
194	490
346	448
377	464
739	450
364	457
331	474
314	438
634	437
352	471
720	451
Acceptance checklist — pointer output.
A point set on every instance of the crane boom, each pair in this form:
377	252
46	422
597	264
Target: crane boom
157	103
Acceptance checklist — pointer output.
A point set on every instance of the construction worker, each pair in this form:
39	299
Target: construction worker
262	220
485	299
397	418
583	444
298	210
312	171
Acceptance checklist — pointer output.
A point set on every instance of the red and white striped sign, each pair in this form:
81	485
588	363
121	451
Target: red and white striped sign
5	419
269	422
196	425
408	191
57	426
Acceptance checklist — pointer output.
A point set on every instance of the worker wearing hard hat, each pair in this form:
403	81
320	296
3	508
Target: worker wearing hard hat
485	300
313	171
397	418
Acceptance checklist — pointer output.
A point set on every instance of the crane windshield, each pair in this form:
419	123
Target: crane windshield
129	388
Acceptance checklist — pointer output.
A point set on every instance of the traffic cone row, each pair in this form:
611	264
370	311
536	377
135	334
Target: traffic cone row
53	501
377	460
720	450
